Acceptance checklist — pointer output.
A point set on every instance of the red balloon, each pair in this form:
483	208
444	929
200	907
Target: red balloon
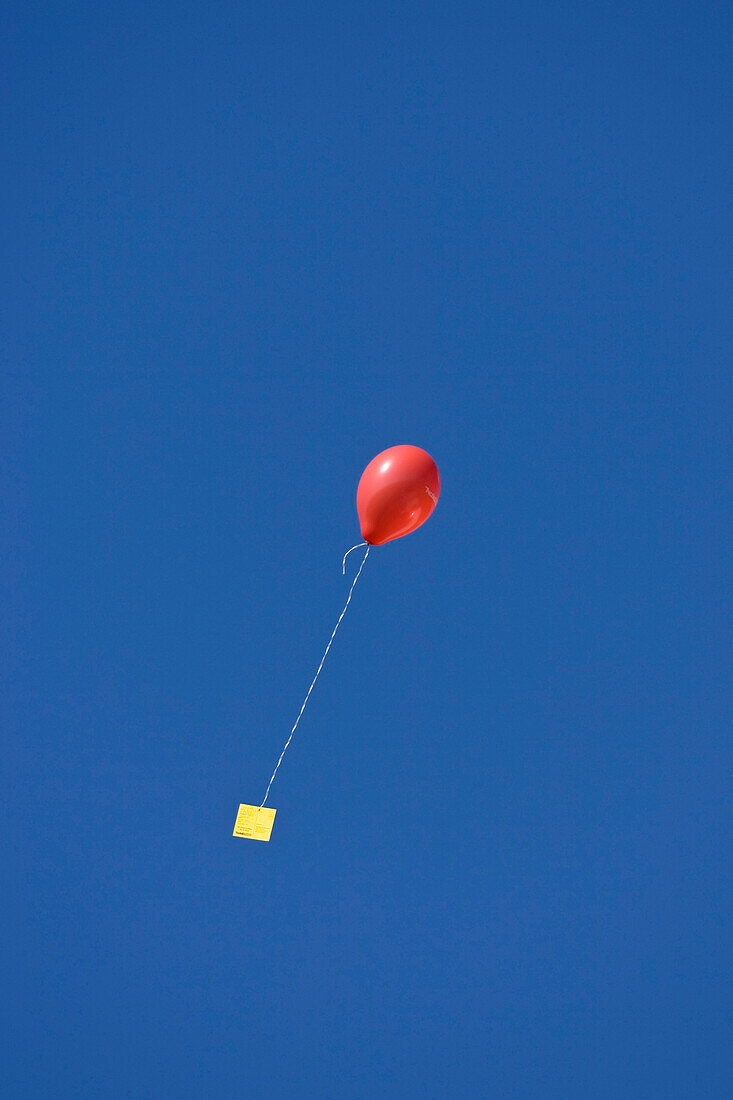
397	492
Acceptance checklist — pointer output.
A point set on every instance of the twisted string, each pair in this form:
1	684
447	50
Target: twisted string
343	563
323	658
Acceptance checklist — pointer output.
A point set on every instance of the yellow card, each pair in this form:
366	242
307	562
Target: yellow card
254	823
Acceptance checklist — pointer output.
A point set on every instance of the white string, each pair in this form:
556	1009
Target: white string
323	658
343	563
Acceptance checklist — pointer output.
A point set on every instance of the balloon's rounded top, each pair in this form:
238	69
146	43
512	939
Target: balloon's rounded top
396	494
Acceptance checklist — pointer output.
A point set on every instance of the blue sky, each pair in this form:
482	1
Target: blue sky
248	247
